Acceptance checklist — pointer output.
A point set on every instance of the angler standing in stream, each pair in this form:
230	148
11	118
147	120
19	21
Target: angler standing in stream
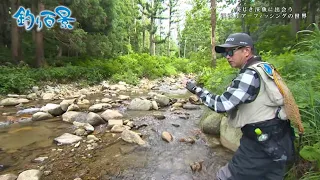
255	104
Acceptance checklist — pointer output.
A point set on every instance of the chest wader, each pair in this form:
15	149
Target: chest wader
266	146
290	107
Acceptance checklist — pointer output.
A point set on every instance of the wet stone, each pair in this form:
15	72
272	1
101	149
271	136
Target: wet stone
30	174
176	125
183	116
40	159
8	177
67	138
159	116
166	136
127	149
191	106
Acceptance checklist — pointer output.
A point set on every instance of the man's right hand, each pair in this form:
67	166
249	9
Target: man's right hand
191	86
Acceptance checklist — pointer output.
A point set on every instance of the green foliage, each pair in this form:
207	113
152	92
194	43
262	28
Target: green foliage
128	77
311	153
199	60
311	176
129	68
144	65
5	55
224	28
196	35
310	39
15	80
217	79
275	38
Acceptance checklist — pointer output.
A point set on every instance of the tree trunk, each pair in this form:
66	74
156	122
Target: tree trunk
151	38
312	8
34	9
184	49
169	47
39	41
296	22
143	39
4	9
21	31
169	34
15	45
213	28
59	48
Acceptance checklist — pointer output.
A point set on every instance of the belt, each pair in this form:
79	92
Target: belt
275	127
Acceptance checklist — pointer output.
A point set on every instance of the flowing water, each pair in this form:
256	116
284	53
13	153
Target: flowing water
21	143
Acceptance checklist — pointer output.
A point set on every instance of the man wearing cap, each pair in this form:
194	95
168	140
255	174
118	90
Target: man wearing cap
254	104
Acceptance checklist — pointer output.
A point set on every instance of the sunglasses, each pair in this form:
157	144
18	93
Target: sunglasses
231	51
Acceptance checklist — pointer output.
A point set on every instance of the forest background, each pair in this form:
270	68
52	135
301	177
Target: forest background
132	39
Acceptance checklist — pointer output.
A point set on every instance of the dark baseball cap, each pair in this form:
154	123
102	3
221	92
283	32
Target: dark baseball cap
235	40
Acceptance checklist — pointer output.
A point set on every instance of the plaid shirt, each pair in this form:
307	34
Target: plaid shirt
243	89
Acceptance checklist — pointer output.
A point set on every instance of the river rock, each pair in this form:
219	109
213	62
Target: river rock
68	138
118	87
104	85
32	96
159	116
48	96
213	142
66	103
191	106
152	94
194	99
229	136
154	105
162	100
124	97
132	137
73	107
41	116
113	122
106	100
111	114
83	101
100	107
80	132
71	116
31	174
122	83
140	104
13	95
86	126
92	137
12	101
53	109
94	119
119	128
46	173
177	105
166	136
8	177
84	91
40	159
28	111
5	124
211	124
